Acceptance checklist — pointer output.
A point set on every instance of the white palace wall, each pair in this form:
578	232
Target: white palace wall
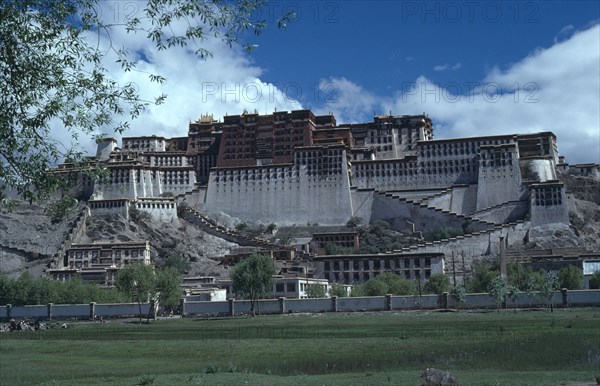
136	181
283	194
164	209
499	176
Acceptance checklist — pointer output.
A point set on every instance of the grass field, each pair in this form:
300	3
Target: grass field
522	348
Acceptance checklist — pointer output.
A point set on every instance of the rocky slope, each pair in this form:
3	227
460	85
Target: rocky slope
28	239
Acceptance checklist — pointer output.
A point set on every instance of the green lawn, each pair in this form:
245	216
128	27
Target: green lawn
524	348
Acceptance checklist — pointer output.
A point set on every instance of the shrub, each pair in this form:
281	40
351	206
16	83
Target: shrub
354	222
241	226
482	276
443	233
315	291
339	291
497	290
389	283
437	284
139	216
575	220
571	278
459	293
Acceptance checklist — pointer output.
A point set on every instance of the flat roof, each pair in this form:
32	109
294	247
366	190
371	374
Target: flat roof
380	255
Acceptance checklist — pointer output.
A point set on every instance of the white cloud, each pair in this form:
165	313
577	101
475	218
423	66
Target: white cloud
554	89
347	101
227	83
447	67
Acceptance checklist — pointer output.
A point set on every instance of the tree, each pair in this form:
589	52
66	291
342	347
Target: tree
141	283
339	291
179	263
548	287
531	286
497	290
459	293
376	287
522	277
253	278
315	291
27	290
168	286
53	73
388	283
137	282
271	228
570	278
595	280
513	294
483	274
437	284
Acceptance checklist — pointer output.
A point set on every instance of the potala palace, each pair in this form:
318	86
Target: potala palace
296	168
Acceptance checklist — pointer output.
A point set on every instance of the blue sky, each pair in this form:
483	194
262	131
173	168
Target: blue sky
476	67
381	44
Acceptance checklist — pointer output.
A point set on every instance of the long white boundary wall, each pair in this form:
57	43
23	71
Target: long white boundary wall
560	299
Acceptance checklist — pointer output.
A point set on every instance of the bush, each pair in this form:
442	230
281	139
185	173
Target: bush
575	220
437	284
459	293
241	226
339	291
315	291
482	276
137	215
27	290
571	278
354	222
389	283
443	233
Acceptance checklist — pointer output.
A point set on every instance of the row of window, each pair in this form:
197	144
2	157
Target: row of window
367	265
547	197
467	146
106	204
361	277
155	205
111	253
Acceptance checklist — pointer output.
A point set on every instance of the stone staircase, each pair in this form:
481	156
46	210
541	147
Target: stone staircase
506	206
188	195
426	199
211	227
418	248
77	230
473	223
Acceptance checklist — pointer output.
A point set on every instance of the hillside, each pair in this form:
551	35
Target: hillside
28	239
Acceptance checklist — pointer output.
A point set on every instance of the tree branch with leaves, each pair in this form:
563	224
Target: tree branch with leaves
253	278
53	74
